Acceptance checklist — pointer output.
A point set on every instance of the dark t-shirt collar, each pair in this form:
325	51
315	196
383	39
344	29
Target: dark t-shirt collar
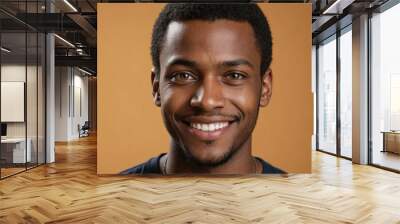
152	166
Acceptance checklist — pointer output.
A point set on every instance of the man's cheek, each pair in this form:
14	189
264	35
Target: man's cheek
168	120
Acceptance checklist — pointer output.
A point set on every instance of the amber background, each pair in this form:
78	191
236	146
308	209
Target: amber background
130	127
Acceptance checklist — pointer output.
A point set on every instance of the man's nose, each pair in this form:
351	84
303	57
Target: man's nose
209	95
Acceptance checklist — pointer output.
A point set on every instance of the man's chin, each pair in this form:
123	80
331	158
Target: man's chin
208	160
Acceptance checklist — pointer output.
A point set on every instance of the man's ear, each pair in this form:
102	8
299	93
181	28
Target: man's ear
266	88
155	82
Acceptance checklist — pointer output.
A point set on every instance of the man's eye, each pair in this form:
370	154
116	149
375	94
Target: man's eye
182	77
235	76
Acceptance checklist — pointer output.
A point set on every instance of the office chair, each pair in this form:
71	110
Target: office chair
84	130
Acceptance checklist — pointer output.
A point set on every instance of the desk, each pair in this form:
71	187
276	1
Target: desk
13	150
391	141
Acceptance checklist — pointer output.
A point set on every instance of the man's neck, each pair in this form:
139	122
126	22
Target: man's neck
241	162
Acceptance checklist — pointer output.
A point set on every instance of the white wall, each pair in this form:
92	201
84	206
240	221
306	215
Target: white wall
81	98
13	101
33	127
16	73
62	78
71	94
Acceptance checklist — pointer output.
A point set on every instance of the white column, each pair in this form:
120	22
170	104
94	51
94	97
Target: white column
50	94
360	90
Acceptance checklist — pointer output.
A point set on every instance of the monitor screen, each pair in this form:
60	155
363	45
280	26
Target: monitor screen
3	129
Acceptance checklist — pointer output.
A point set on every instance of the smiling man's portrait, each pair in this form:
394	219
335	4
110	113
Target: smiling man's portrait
209	78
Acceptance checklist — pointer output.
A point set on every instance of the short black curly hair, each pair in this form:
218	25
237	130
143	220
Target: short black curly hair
180	12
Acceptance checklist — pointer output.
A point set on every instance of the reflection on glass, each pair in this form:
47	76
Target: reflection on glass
386	89
346	94
395	102
327	96
22	90
314	90
14	153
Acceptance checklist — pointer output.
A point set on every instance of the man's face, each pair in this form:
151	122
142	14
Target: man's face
210	87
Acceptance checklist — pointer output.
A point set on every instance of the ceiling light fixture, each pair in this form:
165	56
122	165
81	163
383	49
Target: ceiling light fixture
64	40
337	7
5	50
70	5
79	51
84	71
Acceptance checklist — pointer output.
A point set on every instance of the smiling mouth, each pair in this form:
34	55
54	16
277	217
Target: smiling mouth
209	127
209	131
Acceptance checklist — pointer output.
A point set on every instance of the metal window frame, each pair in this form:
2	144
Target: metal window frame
44	73
339	32
381	9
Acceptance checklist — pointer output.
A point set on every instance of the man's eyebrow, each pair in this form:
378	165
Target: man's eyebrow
190	63
182	61
237	62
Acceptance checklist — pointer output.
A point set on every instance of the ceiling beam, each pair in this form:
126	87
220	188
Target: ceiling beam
83	61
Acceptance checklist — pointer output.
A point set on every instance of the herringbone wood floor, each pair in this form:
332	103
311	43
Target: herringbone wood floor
69	191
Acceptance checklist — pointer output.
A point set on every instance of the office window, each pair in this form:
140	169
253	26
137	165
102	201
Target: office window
13	147
314	91
327	95
385	88
22	92
346	93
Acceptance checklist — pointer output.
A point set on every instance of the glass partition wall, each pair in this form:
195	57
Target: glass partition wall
327	95
13	89
345	93
22	88
385	89
334	101
334	93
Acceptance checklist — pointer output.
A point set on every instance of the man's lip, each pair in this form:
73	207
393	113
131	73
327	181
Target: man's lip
209	119
207	135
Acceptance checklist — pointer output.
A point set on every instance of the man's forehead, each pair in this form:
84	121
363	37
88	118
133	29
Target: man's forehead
175	26
206	41
195	33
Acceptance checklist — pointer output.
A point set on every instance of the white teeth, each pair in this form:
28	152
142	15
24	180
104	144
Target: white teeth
212	127
209	127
